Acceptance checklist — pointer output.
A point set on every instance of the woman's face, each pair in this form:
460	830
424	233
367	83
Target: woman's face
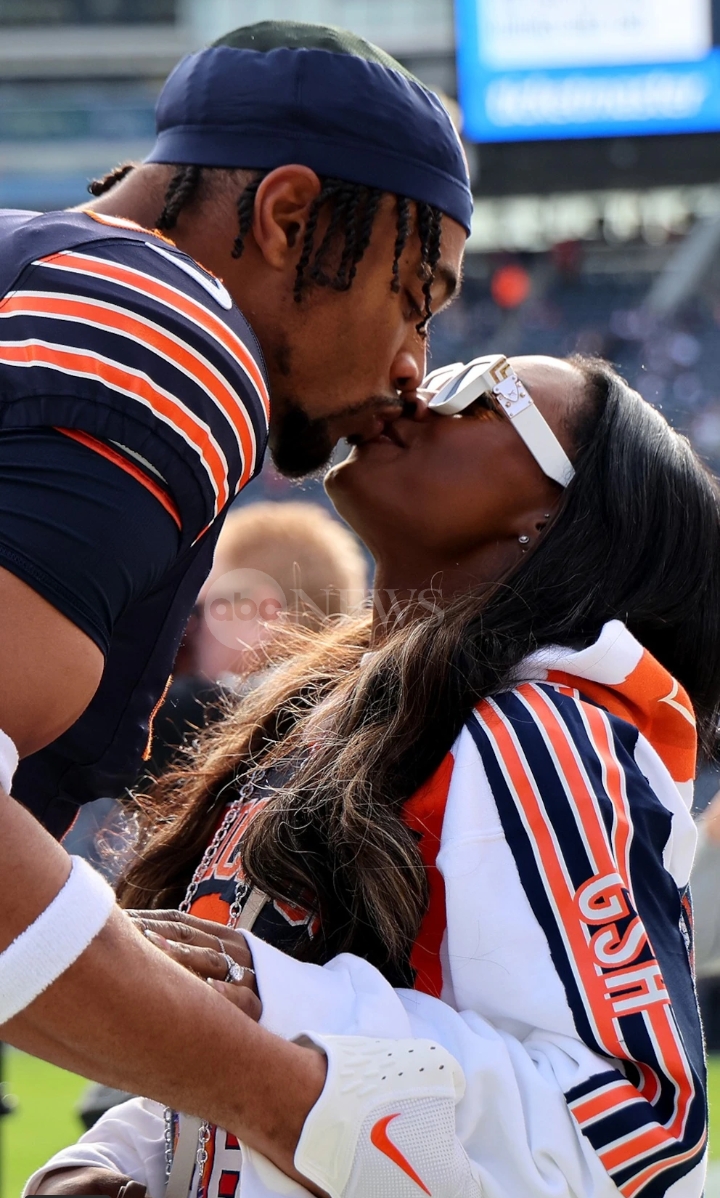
436	490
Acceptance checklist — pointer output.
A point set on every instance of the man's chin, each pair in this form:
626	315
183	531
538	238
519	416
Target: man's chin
300	446
297	467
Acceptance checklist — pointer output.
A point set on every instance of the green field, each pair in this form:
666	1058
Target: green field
43	1121
45	1118
714	1100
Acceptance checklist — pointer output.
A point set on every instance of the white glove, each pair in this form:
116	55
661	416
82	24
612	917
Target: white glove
385	1121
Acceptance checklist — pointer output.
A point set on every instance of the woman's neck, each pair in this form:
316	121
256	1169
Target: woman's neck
404	593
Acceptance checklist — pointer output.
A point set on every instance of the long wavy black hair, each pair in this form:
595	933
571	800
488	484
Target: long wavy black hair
637	538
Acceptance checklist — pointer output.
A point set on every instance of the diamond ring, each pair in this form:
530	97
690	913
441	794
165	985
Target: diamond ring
235	972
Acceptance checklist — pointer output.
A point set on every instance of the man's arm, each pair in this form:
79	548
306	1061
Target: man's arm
127	1016
49	668
124	1014
49	672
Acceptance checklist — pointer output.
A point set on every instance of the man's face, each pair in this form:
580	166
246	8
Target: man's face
343	363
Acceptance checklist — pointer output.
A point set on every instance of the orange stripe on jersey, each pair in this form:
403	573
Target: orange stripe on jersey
659	1015
594	983
559	885
425	813
560	889
596	1106
566	754
649	1085
87	365
672	1054
667	1039
640	1180
121	222
147	751
137	280
119	320
644	1141
129	467
600	738
584	800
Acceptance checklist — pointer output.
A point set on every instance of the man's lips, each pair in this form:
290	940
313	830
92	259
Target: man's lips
385	432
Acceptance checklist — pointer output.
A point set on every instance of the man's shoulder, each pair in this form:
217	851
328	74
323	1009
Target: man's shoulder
107	327
117	262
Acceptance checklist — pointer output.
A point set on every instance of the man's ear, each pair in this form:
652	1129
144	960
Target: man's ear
282	208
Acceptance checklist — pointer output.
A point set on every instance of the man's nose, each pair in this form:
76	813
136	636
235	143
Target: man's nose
408	375
408	370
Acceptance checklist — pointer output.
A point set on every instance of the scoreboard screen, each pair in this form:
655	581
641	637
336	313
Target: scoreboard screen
537	69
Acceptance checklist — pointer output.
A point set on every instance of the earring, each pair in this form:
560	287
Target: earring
524	539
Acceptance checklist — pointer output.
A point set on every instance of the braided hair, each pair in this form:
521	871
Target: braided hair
181	191
353	209
98	187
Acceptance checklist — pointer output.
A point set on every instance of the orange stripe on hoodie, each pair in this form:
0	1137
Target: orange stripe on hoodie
652	700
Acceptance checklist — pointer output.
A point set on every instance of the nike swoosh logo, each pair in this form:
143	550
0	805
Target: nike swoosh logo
213	286
380	1138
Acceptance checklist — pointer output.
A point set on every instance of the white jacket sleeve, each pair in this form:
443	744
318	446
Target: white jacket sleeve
128	1139
513	1121
562	950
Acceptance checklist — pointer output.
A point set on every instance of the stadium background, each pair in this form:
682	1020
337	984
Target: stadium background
607	244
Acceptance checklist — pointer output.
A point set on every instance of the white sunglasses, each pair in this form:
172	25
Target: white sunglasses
451	389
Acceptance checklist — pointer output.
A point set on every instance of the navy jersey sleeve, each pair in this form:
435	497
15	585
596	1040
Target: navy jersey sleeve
132	342
83	532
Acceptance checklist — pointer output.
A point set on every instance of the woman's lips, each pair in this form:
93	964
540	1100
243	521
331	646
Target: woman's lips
386	434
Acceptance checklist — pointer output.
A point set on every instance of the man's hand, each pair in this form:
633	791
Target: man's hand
62	1182
207	949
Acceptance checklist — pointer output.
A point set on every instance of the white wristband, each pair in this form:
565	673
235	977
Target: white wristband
55	940
8	761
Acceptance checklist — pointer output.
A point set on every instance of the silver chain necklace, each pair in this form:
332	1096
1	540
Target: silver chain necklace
245	793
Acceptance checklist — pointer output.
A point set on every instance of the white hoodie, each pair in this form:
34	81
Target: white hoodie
554	959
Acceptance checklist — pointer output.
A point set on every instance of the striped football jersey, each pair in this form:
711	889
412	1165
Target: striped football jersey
113	337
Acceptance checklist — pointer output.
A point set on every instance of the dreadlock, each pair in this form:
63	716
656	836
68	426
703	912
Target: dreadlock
429	230
181	191
403	232
353	210
98	187
245	210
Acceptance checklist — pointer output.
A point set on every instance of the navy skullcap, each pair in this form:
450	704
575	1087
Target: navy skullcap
340	114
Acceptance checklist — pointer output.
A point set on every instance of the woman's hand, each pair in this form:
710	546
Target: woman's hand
62	1182
207	949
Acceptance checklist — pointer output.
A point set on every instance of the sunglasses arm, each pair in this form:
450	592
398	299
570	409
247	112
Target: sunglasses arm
534	430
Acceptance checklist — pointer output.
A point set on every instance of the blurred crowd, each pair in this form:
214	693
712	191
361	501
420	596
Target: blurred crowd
568	301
